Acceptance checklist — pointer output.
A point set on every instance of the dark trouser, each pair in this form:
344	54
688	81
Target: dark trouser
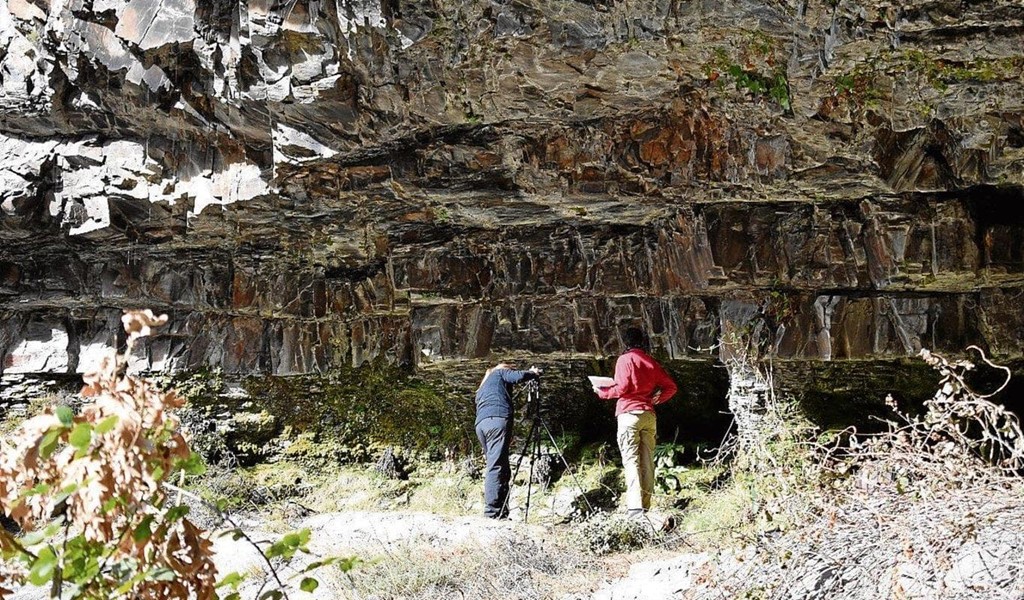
495	435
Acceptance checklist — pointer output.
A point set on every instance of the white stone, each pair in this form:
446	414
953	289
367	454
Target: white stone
97	211
279	90
100	43
310	68
80	183
664	579
155	23
24	81
977	568
43	349
240	181
20	161
236	183
85	100
138	360
153	77
91	355
292	145
101	6
25	10
916	583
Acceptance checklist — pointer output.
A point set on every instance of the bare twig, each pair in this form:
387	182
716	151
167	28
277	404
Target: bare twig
237	530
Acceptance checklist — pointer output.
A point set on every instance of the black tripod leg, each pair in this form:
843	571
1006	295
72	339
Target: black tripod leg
529	488
519	463
533	461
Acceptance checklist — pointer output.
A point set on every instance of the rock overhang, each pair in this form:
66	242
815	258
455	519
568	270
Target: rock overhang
305	190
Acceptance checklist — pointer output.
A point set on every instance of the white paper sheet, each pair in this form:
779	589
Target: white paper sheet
600	382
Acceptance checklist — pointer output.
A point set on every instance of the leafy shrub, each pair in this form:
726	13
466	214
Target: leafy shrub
87	492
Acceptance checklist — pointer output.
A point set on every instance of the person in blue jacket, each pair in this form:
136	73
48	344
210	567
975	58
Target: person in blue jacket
494	430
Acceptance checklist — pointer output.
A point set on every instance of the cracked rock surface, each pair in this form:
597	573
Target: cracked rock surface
308	184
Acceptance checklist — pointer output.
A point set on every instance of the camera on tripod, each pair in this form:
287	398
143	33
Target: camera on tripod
532	445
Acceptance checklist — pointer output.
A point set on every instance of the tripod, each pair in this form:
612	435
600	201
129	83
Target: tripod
532	445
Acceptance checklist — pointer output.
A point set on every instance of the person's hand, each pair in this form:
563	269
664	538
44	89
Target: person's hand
656	396
534	370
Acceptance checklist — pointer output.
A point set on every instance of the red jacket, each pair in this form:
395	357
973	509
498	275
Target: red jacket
637	378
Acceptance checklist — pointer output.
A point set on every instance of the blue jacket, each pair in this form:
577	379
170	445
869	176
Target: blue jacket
494	398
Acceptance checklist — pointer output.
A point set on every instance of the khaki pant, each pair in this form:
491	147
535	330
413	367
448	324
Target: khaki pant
636	438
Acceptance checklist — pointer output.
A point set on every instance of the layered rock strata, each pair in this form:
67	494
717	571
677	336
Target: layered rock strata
306	185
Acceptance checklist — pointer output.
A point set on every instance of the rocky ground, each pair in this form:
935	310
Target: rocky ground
382	537
957	546
371	536
960	546
964	545
862	551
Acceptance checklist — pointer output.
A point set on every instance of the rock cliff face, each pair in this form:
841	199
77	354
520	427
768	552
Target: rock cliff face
308	184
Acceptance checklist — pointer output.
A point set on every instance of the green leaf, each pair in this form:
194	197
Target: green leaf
106	425
309	584
52	529
278	549
143	531
231	579
38	490
233	596
349	563
109	505
162	574
235	534
67	491
316	564
81	436
193	465
49	442
43	567
272	595
176	513
131	582
289	544
66	415
301	537
32	538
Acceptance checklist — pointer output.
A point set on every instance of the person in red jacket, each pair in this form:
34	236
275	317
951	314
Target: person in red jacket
640	384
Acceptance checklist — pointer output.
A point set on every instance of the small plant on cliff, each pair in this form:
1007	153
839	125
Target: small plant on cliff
758	69
942	73
442	214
